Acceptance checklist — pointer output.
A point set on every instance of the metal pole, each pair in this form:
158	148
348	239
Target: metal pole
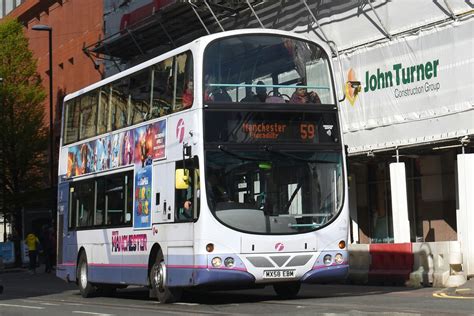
3	179
215	17
51	131
253	11
387	33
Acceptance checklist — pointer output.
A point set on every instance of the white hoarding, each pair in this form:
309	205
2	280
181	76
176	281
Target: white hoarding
415	88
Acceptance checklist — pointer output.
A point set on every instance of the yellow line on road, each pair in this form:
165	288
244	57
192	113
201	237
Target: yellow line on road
444	295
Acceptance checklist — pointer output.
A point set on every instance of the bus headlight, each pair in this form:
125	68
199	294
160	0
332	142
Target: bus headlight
229	262
338	258
327	260
216	262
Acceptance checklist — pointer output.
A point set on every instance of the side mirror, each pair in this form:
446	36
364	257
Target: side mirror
182	179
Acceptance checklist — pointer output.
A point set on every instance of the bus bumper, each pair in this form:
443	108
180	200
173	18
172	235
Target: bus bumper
209	277
331	274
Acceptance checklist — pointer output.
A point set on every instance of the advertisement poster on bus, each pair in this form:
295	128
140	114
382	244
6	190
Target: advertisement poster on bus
121	149
142	205
144	138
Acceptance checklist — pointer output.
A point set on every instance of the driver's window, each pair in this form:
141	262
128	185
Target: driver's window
187	199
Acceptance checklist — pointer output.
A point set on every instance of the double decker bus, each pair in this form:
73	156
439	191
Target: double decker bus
219	164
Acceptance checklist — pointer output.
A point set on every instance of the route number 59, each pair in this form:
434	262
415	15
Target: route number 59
307	131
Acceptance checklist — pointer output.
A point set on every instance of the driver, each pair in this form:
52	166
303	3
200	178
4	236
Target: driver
217	193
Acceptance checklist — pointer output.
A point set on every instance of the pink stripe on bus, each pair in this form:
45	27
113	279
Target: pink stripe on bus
118	265
203	267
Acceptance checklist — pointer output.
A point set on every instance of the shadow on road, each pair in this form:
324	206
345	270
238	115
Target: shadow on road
21	285
267	294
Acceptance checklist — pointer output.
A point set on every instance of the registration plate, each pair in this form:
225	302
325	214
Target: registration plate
278	274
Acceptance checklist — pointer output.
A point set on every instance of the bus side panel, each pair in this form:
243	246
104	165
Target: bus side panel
66	264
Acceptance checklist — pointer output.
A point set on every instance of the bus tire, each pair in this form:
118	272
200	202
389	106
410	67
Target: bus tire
287	290
85	287
164	294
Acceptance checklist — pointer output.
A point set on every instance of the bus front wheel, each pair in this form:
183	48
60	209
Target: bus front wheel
85	287
158	282
287	290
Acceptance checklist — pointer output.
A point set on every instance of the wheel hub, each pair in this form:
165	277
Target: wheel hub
159	276
83	276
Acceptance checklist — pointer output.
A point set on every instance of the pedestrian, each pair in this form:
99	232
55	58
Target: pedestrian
33	244
47	246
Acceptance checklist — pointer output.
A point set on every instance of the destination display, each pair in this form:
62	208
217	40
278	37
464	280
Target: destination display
271	127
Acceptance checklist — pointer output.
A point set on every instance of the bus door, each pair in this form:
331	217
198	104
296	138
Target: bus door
63	234
163	197
176	207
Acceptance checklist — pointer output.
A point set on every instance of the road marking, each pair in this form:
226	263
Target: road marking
444	295
186	304
50	304
463	290
22	306
91	313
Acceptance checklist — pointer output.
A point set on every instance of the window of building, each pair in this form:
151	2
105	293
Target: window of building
9	6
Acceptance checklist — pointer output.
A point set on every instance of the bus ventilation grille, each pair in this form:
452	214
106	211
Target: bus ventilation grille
279	261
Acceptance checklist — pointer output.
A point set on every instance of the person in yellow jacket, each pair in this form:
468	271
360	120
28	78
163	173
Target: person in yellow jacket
32	242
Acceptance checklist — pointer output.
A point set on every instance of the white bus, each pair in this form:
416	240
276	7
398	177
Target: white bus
219	164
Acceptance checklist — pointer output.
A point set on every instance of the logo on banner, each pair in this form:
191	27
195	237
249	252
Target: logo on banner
180	130
351	91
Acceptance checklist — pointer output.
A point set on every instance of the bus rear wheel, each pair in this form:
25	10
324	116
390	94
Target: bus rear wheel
287	290
164	294
85	287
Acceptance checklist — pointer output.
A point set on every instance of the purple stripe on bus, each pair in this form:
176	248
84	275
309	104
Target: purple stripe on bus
329	274
331	265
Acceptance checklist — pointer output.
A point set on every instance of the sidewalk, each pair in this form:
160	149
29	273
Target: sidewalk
465	290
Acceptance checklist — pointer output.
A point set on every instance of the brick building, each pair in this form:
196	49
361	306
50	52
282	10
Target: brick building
75	24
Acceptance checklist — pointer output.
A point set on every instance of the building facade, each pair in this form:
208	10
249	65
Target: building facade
75	24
